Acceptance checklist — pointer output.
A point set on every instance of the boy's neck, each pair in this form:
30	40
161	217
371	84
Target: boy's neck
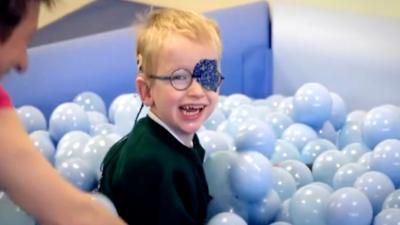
184	139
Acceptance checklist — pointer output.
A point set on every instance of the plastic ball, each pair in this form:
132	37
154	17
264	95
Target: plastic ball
273	101
388	217
326	165
103	129
283	215
215	119
328	132
233	101
90	101
278	121
67	117
42	141
250	177
96	118
350	133
283	183
312	104
300	172
392	200
314	148
365	160
280	223
213	141
32	118
354	151
227	218
284	150
376	186
308	205
78	173
125	114
286	106
95	151
386	159
346	175
216	169
257	136
348	206
356	117
119	102
227	203
71	145
339	111
11	214
381	123
264	211
299	134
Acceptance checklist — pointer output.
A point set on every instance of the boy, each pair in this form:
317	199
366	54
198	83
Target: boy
155	175
25	175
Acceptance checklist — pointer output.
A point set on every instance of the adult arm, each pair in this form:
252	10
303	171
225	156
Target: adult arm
33	184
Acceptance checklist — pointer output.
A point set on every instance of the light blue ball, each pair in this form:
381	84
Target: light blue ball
286	106
256	135
90	101
284	150
326	165
350	133
42	141
300	172
213	141
283	183
119	102
278	121
227	218
104	200
365	160
216	169
381	123
283	214
250	177
348	206
328	132
308	205
392	200
346	175
78	173
339	111
32	118
354	151
280	223
67	117
71	145
234	101
312	105
376	186
356	117
103	129
264	211
227	203
314	148
299	134
386	159
388	217
215	119
11	214
273	101
96	118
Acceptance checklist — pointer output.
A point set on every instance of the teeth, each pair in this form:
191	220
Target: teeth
192	109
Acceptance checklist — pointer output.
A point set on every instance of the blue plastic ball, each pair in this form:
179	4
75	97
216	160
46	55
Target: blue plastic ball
346	175
283	183
300	172
312	105
284	150
314	148
264	211
273	101
381	123
348	206
350	133
286	106
365	160
376	186
90	101
42	141
250	177
278	121
392	200
328	132
215	119
67	117
356	117
339	111
388	217
299	134
213	141
326	165
71	145
32	118
11	214
227	203
354	151
386	159
233	101
227	218
78	173
283	214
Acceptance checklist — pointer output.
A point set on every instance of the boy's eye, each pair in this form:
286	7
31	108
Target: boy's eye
179	77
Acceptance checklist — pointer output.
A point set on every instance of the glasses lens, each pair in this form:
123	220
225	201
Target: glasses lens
181	79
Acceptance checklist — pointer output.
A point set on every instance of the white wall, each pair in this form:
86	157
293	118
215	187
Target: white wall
354	55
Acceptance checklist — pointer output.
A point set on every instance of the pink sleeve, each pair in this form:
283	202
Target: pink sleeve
5	100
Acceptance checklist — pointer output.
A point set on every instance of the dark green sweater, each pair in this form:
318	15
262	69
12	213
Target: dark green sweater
154	179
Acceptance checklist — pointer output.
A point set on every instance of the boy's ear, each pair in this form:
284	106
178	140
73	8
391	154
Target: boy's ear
143	88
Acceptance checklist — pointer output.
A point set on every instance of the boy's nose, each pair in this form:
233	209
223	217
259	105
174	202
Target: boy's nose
195	89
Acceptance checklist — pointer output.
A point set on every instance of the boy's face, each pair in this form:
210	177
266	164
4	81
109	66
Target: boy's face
13	51
183	111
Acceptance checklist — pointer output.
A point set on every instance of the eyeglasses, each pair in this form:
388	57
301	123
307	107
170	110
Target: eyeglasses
205	72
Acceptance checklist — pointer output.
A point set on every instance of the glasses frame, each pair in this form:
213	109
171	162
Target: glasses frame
171	79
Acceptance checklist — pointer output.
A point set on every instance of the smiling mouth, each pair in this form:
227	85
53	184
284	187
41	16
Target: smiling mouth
190	110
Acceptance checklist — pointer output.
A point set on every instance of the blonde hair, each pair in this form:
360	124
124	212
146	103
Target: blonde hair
160	24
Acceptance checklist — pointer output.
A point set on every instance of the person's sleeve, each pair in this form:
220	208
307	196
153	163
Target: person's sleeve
5	100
